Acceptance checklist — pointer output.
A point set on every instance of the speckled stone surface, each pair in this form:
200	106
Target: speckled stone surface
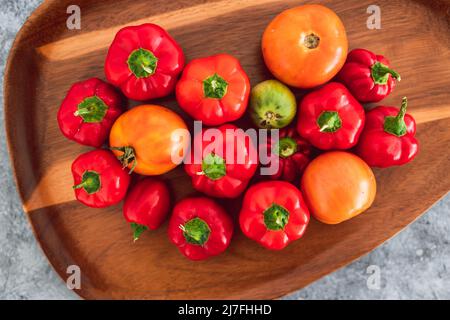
413	265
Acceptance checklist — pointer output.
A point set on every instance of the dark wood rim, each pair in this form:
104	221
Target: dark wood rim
8	109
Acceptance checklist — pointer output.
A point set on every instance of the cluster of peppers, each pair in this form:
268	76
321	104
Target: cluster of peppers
145	62
332	118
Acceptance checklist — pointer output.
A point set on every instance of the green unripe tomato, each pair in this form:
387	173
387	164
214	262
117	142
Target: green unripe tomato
272	105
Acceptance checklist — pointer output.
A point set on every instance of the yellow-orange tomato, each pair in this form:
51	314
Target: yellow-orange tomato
305	46
144	138
338	186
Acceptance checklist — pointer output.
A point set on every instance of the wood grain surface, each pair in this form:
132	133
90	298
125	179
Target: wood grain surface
47	58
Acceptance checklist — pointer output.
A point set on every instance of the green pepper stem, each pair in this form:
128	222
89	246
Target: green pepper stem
276	217
215	87
329	121
82	112
380	73
286	147
79	186
138	229
196	231
90	182
92	110
142	63
396	125
214	166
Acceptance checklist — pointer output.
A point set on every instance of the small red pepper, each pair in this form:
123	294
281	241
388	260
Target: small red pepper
214	90
368	76
331	118
100	181
146	205
388	137
210	170
292	153
274	214
200	228
144	61
88	112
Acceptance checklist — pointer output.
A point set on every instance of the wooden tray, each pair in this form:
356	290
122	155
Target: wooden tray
47	58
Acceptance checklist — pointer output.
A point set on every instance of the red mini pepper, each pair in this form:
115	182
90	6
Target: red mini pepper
274	214
99	179
146	205
144	61
88	112
331	118
292	153
368	76
388	137
222	169
200	228
214	90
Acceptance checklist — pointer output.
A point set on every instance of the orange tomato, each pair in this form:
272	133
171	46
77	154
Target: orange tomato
338	186
305	46
144	139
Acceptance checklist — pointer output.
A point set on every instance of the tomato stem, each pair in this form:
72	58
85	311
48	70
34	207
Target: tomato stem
311	41
127	157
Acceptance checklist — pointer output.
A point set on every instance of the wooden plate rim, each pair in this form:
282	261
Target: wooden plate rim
39	11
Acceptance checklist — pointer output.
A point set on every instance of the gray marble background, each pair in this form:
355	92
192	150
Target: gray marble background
413	265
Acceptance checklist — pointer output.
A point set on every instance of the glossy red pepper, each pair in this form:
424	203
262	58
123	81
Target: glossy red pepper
146	205
88	112
99	179
144	62
331	118
225	171
388	137
214	90
274	214
292	153
368	76
200	228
